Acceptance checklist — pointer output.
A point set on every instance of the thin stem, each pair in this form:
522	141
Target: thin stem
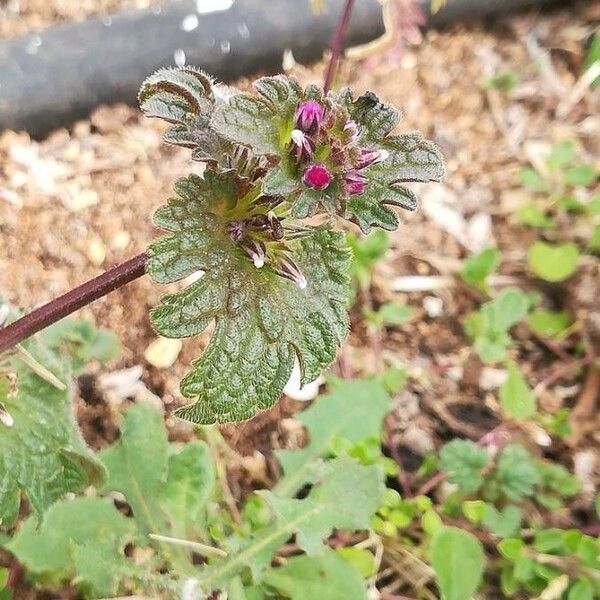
64	305
337	43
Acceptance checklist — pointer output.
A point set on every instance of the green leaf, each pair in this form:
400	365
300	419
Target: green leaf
549	322
508	308
594	242
464	461
361	558
550	541
411	158
516	396
390	313
503	523
42	453
82	340
367	250
477	268
458	560
506	81
561	154
62	549
328	577
185	97
553	262
137	468
262	122
263	321
516	472
534	215
393	379
137	465
488	327
354	410
474	510
189	486
558	479
511	548
581	590
532	180
581	175
597	504
346	496
593	56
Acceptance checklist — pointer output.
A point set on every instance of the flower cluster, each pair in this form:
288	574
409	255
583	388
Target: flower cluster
325	146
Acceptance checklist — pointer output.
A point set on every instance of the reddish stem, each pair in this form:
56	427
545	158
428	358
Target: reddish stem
337	43
73	300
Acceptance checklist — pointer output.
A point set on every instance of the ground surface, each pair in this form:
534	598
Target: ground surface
80	201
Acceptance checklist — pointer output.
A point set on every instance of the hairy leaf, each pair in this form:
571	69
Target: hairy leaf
62	549
516	472
353	410
42	453
464	462
346	497
458	560
262	321
516	397
411	158
327	577
190	485
263	122
138	468
185	98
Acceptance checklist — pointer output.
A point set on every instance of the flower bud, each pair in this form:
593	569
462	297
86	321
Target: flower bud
287	268
351	132
270	202
355	182
317	176
309	116
275	226
236	230
302	146
368	156
256	252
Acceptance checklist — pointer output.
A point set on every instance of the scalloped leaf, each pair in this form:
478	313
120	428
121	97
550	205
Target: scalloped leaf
262	321
263	122
42	453
411	159
185	97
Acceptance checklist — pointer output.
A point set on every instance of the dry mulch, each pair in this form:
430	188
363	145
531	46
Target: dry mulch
81	200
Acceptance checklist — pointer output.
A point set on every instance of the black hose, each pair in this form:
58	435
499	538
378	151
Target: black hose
51	78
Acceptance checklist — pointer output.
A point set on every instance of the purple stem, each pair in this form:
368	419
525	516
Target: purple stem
64	305
337	43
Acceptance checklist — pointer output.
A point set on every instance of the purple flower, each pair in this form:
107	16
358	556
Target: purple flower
302	146
368	156
355	182
317	176
309	116
287	268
